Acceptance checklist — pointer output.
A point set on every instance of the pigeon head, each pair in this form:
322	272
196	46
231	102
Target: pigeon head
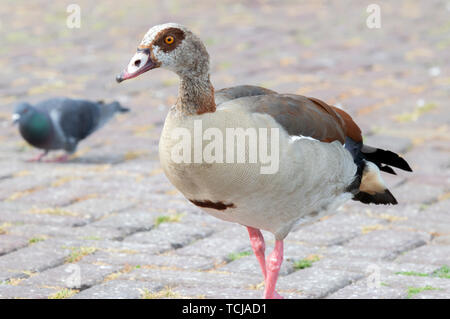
170	46
22	112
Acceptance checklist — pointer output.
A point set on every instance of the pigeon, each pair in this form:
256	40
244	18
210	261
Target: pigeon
61	123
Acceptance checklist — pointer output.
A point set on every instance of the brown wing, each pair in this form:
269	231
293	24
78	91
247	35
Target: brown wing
300	115
236	92
351	129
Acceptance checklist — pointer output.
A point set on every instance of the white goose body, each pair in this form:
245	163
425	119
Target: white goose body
311	176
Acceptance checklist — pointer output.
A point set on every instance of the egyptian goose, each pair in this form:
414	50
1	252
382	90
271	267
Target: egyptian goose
322	159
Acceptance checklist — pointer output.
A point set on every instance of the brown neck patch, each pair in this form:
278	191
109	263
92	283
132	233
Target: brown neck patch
195	97
207	105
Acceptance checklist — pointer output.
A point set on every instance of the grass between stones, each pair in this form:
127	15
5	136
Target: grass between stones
64	293
306	262
236	256
165	293
442	272
168	219
78	253
412	291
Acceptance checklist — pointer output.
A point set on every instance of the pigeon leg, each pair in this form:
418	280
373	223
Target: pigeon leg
259	248
59	159
38	158
274	261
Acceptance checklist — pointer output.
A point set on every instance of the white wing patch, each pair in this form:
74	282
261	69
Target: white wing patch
301	137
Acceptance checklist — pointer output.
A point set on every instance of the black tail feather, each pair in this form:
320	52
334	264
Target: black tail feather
380	156
387	169
384	198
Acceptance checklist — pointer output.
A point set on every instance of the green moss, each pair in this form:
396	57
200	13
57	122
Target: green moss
412	273
165	293
235	256
168	219
443	272
63	294
35	240
412	291
91	238
305	263
78	253
416	113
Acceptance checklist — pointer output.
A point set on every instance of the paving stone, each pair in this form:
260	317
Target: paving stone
220	245
193	278
94	208
170	235
406	282
10	243
57	196
208	292
417	192
87	232
366	267
431	254
360	290
395	242
432	294
146	259
371	254
23	185
250	265
129	222
335	230
315	282
37	257
36	215
118	289
72	276
14	292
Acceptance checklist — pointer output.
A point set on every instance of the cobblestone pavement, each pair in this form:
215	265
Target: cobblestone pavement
108	224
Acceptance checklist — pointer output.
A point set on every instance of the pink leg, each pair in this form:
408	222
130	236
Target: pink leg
274	261
259	248
38	158
58	159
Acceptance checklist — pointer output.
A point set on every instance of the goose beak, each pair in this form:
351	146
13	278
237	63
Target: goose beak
140	63
15	118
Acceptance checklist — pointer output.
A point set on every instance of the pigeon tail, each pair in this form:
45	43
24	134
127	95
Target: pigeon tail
119	108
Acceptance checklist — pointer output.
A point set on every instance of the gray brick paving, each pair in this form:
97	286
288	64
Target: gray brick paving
65	276
110	211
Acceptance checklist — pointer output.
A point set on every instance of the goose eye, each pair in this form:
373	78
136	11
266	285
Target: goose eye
169	39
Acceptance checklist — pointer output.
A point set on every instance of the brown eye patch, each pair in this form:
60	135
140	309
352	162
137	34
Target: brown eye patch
168	39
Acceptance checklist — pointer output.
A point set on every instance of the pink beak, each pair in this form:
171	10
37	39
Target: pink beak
140	63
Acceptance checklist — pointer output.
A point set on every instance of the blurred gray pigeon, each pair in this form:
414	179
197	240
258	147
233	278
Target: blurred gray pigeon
60	123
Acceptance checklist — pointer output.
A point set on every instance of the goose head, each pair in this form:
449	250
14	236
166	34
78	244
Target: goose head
170	46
